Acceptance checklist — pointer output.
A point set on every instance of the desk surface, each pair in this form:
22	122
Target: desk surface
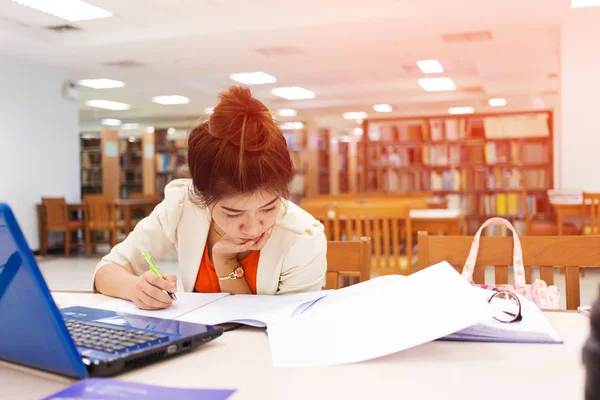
439	370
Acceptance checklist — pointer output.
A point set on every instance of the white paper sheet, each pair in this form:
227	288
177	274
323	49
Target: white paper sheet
254	310
435	213
185	303
367	324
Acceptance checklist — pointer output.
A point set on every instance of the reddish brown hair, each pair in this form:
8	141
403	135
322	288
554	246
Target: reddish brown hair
239	150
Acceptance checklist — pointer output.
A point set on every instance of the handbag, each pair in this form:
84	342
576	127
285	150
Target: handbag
544	296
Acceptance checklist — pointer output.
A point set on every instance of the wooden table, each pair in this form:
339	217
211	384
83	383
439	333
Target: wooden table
448	221
569	210
241	360
123	204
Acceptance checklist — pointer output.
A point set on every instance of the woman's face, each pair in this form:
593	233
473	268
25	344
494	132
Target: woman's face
246	217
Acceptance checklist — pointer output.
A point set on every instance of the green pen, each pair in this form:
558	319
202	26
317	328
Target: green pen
146	256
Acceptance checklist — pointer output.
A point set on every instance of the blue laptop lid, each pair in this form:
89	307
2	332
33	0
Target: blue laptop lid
32	331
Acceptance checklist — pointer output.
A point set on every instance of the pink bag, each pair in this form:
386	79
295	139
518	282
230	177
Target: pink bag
546	297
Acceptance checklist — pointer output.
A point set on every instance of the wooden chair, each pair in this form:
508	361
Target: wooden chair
57	220
101	216
572	252
348	259
322	213
383	224
590	211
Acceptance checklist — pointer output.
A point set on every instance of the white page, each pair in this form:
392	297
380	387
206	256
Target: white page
400	314
185	303
254	310
534	327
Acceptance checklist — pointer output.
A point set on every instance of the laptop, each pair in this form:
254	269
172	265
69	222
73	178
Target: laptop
77	342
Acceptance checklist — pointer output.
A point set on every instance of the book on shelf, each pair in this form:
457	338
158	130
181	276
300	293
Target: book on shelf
165	162
518	126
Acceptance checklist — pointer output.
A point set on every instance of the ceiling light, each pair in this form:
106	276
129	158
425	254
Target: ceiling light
293	93
292	125
287	112
253	78
131	139
149	129
101	83
430	66
437	84
355	115
497	102
71	10
111	122
171	131
170	100
130	125
382	108
461	110
209	110
584	3
358	131
108	105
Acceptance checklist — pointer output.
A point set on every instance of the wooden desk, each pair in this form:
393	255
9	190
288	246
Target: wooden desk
437	370
568	210
450	222
129	204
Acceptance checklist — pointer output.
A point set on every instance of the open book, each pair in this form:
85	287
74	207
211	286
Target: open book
220	308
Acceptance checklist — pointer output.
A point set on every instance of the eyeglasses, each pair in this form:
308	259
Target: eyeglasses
506	307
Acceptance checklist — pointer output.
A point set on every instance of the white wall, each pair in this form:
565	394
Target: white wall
580	101
39	143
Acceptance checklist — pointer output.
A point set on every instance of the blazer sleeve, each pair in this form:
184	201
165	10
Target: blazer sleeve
156	234
305	264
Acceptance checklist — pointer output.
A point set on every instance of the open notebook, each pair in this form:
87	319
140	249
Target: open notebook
220	308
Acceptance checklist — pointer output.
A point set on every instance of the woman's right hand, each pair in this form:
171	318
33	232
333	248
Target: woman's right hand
148	291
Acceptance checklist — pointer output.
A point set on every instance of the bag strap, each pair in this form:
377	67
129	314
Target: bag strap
517	253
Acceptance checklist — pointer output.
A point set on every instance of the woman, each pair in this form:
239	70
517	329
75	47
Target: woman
230	224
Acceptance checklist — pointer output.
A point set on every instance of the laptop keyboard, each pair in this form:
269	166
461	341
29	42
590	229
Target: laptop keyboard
109	338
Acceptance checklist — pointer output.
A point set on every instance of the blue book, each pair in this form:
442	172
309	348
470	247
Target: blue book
107	389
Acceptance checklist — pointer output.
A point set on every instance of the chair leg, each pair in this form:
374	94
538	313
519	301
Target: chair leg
87	239
67	243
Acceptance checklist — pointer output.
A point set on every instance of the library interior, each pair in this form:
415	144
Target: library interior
394	190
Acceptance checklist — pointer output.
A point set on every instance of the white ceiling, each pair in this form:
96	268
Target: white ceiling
352	53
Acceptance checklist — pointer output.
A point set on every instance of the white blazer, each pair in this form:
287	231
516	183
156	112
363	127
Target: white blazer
293	259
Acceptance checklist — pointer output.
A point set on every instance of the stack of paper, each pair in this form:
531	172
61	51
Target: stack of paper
377	318
533	328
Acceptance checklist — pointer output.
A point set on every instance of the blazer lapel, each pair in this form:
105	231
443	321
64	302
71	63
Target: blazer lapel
192	235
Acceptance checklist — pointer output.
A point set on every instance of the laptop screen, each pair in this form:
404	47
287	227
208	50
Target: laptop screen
32	331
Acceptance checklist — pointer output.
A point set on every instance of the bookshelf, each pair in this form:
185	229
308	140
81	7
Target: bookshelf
130	163
323	164
482	163
164	159
91	165
296	140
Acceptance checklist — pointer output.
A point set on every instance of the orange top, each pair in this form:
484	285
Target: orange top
208	282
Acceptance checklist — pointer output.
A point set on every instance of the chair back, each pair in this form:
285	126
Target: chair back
323	213
386	225
348	259
100	211
545	252
591	213
57	215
